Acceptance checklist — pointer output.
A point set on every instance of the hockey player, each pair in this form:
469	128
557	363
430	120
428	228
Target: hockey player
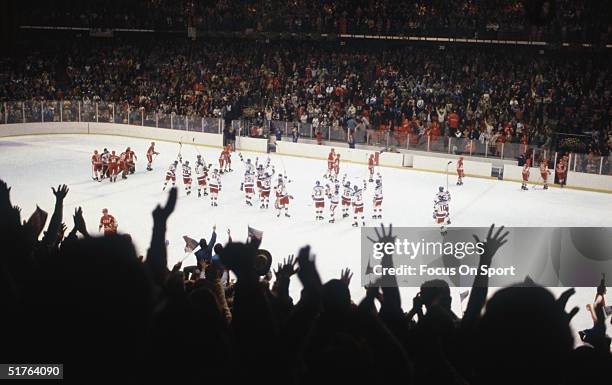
150	152
331	158
561	171
319	200
105	156
371	167
441	209
222	160
187	177
202	173
248	187
96	165
460	171
113	166
544	172
199	161
131	159
171	174
378	199
357	203
249	167
228	158
214	186
525	173
336	167
108	223
123	165
347	197
334	199
264	191
282	199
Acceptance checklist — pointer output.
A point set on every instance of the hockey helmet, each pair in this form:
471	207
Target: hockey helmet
104	211
441	189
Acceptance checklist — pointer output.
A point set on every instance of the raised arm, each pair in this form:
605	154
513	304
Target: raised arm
56	219
157	258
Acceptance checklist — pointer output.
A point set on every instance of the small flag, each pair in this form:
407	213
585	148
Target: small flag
255	234
190	244
37	222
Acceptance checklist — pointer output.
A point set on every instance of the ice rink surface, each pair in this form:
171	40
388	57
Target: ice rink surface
32	164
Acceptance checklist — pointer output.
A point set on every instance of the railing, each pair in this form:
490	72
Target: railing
108	112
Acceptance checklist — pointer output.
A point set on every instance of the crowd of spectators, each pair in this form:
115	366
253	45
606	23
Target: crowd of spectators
94	305
573	20
488	95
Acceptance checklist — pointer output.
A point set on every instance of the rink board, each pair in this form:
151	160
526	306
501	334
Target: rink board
582	181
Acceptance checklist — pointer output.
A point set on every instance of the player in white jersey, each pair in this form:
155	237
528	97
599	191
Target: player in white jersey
378	199
202	173
264	190
199	161
282	199
105	156
187	177
248	187
347	197
249	166
171	174
357	203
441	209
334	199
214	186
318	199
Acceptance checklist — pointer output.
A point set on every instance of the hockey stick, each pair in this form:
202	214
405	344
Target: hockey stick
448	164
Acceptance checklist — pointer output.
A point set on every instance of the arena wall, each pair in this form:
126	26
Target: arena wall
586	181
515	173
593	182
435	164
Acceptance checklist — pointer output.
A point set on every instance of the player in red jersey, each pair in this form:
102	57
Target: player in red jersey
228	158
96	164
113	166
108	222
150	152
526	168
561	171
331	158
131	159
319	200
544	172
460	171
214	186
171	174
371	163
187	177
123	164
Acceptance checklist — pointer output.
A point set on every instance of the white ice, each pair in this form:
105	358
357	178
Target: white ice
32	164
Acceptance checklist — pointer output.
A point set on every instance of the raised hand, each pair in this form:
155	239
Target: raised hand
61	192
307	272
287	268
79	222
562	302
346	275
384	237
492	244
5	192
162	213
